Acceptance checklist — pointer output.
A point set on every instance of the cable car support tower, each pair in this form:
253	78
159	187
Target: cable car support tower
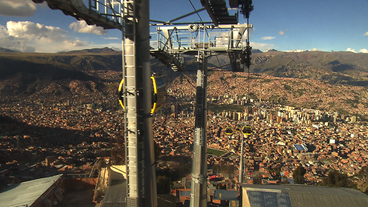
172	41
202	40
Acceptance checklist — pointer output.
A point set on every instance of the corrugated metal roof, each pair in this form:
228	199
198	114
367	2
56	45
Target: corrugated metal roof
262	199
304	196
319	196
26	193
225	195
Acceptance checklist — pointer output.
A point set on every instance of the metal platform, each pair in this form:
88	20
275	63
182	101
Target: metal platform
169	43
218	11
101	13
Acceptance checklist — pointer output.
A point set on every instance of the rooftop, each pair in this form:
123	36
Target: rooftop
303	196
26	193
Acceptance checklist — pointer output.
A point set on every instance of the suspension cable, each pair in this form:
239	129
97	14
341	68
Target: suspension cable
196	10
199	17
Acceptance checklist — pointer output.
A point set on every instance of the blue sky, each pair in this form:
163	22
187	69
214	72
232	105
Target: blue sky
285	25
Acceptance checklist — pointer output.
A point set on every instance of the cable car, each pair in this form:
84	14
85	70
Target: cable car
228	131
247	130
158	93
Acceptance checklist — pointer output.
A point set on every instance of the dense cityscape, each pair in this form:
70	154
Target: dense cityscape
267	112
43	138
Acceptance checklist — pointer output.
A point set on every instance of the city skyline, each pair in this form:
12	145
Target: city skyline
282	25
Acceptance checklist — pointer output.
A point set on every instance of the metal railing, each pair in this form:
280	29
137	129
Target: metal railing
173	39
108	8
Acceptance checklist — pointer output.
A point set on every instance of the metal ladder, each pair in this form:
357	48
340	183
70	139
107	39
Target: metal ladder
130	101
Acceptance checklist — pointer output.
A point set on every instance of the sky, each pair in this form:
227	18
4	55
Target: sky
284	25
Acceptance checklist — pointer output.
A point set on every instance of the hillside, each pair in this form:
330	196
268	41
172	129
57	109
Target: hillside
344	99
329	67
26	74
307	77
92	70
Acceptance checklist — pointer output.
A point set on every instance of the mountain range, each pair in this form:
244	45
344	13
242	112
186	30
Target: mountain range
329	67
99	70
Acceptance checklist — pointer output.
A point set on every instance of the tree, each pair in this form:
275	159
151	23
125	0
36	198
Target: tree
337	179
363	173
275	173
362	176
257	178
298	175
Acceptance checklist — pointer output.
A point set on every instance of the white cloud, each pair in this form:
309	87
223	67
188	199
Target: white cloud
83	27
350	50
34	37
11	42
22	8
261	46
28	36
267	38
281	33
111	38
363	50
296	50
30	31
366	34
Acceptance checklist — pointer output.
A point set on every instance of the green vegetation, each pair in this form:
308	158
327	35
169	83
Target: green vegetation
275	173
277	99
274	98
298	175
300	92
361	118
337	179
287	87
215	152
332	104
353	102
362	183
266	81
253	96
342	111
257	178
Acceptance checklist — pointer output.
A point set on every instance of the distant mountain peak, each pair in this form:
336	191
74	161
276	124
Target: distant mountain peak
256	51
271	50
92	50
